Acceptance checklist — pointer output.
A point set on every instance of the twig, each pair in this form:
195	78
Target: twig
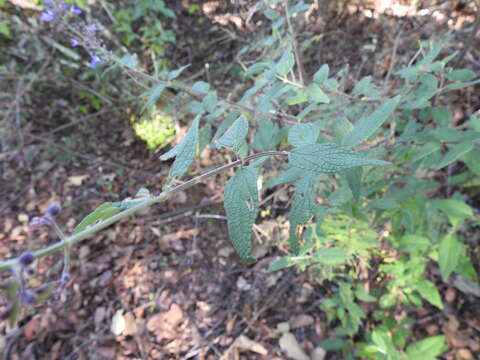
295	45
8	264
393	59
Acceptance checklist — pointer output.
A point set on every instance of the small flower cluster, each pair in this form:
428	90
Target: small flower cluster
56	10
83	34
47	218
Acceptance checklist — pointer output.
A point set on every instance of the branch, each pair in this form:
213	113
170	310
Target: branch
72	239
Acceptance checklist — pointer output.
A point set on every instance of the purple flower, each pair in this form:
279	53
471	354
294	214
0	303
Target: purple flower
95	28
75	10
26	258
53	210
37	222
29	297
47	16
74	42
94	61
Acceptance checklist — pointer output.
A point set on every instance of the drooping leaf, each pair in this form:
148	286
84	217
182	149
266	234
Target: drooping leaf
427	349
285	64
267	135
316	95
354	179
328	158
234	137
455	152
321	75
367	126
241	206
303	208
104	211
457	211
449	254
175	73
153	96
184	152
429	292
303	134
289	175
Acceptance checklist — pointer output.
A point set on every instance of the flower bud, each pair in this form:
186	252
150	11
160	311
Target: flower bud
53	210
29	298
26	258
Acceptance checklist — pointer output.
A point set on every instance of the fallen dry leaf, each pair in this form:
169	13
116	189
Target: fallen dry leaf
77	180
301	320
290	345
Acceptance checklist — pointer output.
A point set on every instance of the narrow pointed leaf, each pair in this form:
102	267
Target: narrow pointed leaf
328	158
367	126
234	137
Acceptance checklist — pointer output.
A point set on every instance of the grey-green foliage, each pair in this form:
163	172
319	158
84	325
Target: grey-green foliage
184	152
241	205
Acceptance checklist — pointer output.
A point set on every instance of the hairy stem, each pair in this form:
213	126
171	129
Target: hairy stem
72	239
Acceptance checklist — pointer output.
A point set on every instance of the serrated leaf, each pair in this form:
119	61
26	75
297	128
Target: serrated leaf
234	137
204	137
241	206
429	292
367	126
321	75
303	134
303	208
102	212
316	95
285	64
328	158
449	254
184	152
428	348
229	119
455	152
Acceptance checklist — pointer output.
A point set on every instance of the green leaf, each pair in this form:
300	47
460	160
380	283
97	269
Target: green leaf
331	256
153	96
300	97
210	101
204	137
268	135
429	292
367	126
289	175
460	75
101	213
303	134
427	349
328	158
471	160
282	263
184	152
321	75
241	206
175	73
457	211
201	87
461	85
455	151
234	137
285	64
442	115
413	242
303	208
354	180
449	254
316	95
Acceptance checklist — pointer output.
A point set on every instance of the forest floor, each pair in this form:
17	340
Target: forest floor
169	279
